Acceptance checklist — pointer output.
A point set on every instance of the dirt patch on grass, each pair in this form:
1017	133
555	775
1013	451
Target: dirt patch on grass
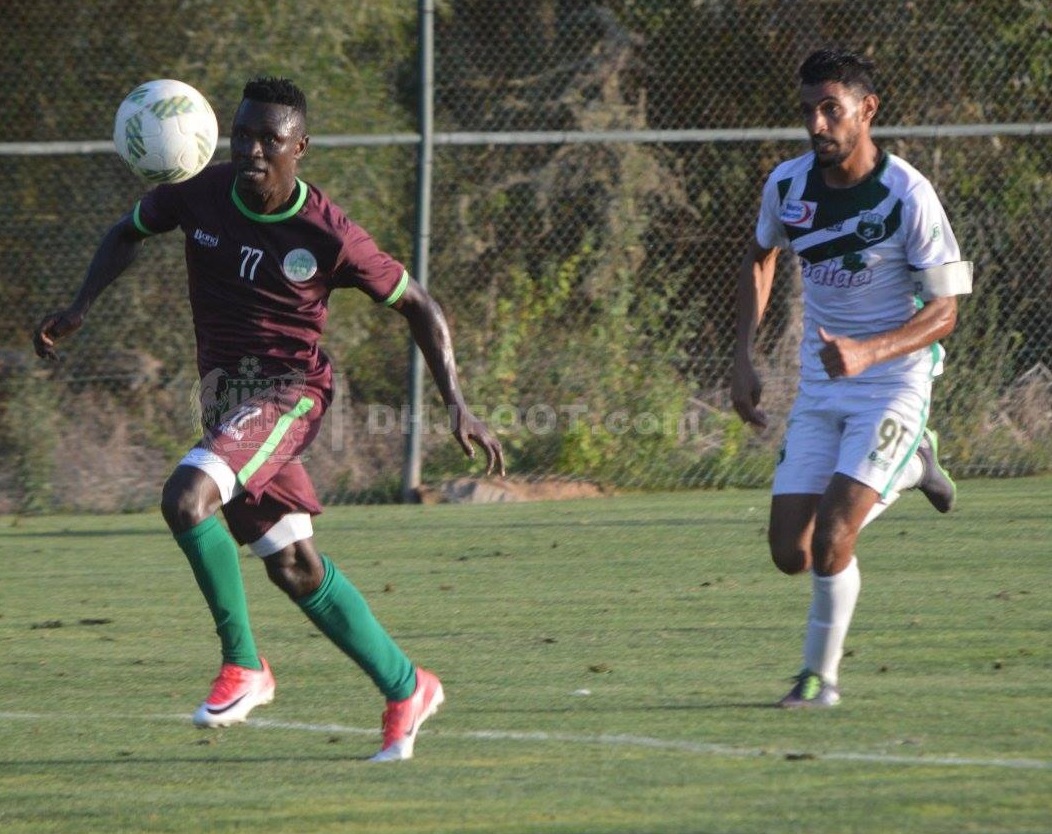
503	490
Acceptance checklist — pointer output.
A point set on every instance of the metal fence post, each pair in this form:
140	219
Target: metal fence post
412	464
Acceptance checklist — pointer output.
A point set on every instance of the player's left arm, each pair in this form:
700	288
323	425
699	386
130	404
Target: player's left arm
430	331
845	356
939	276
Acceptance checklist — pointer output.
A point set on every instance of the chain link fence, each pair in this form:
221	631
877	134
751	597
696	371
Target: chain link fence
597	172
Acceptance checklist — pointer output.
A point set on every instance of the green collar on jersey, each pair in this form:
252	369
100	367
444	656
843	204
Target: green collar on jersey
301	198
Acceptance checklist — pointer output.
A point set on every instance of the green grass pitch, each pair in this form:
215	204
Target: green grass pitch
610	666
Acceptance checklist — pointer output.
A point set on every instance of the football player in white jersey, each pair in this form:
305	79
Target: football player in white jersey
881	271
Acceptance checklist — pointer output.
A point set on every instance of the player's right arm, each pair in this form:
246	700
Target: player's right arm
755	277
118	249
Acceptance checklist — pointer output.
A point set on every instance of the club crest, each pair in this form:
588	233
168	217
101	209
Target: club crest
870	226
299	265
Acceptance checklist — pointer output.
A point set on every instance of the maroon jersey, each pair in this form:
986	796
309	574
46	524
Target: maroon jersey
260	284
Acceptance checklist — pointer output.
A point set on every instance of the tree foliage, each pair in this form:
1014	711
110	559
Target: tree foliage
597	275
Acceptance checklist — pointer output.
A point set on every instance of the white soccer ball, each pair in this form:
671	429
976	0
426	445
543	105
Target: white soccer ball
165	131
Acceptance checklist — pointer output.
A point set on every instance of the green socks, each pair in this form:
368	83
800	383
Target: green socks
213	558
336	608
342	614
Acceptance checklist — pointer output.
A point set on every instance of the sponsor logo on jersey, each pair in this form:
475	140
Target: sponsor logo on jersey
205	239
798	213
843	274
936	232
870	226
299	265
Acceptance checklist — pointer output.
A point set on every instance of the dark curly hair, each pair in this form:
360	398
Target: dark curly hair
847	68
271	90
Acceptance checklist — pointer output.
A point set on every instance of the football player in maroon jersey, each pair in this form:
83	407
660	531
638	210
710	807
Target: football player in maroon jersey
264	250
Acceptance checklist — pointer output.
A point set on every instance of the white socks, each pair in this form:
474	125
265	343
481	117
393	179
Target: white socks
833	601
833	597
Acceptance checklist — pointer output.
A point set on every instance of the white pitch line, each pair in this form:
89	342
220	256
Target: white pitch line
670	744
645	742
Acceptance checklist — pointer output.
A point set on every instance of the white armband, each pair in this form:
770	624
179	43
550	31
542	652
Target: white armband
954	278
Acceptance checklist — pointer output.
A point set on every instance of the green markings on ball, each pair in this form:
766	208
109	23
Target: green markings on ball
165	175
205	148
165	108
133	138
139	93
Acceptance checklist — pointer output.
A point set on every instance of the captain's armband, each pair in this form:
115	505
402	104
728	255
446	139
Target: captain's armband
954	278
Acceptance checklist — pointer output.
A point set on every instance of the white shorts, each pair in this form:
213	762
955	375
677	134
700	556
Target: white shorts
867	431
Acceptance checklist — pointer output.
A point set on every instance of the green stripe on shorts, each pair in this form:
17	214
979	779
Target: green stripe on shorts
912	451
285	422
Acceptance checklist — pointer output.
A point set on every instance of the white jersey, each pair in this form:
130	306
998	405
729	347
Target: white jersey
857	247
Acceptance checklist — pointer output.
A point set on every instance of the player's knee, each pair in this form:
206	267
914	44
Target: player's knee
789	554
790	560
294	571
183	504
832	546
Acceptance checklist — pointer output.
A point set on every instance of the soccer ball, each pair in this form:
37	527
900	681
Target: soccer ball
165	131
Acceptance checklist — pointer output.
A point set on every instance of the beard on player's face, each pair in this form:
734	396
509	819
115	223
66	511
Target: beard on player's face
831	152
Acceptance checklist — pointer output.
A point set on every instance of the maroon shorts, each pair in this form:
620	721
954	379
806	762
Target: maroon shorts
262	440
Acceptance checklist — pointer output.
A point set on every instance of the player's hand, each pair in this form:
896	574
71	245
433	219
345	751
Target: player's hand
469	429
53	327
746	390
842	355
